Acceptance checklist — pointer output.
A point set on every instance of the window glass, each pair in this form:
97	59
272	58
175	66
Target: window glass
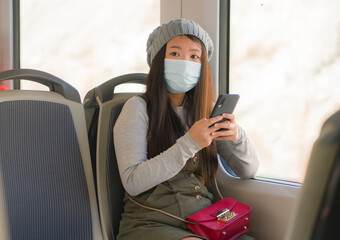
285	64
86	42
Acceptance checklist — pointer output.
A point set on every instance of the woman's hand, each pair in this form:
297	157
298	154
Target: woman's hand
230	130
202	133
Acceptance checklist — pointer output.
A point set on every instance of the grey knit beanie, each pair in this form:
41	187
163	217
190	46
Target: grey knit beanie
162	34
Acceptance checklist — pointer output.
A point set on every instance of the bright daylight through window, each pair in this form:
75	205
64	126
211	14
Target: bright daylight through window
86	42
285	64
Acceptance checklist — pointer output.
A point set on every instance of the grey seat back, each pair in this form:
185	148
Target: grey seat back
46	182
317	212
102	109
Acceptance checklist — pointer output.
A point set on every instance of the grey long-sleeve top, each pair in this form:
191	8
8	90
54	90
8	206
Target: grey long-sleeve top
139	174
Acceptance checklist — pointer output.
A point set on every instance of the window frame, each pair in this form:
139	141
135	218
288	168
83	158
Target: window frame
224	83
16	39
224	46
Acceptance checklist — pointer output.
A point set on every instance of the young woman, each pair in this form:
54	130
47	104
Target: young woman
165	147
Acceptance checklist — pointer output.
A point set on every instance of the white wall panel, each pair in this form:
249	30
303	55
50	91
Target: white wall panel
205	13
6	36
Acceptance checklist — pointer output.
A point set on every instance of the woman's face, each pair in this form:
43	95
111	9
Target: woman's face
183	48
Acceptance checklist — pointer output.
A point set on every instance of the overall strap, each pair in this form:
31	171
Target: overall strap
143	96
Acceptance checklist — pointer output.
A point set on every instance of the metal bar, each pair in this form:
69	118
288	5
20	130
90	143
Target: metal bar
224	46
16	39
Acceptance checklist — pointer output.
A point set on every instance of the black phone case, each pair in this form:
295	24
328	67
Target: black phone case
225	103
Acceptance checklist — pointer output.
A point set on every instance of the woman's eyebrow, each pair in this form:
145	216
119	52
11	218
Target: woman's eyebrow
176	47
195	49
191	49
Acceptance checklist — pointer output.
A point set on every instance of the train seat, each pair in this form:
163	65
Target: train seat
46	183
317	211
102	109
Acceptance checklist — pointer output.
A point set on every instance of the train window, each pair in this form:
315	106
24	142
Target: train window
86	42
130	87
285	64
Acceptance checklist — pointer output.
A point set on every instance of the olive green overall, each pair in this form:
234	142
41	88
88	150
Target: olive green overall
182	195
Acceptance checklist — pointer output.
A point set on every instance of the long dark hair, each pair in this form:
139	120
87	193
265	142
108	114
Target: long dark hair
165	126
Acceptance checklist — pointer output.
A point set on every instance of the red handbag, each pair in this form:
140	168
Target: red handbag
226	220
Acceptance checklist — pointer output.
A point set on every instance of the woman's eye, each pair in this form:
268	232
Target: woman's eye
194	57
175	54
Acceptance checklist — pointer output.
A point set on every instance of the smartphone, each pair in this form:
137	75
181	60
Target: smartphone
225	103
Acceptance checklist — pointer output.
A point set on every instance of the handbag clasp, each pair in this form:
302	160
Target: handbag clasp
225	215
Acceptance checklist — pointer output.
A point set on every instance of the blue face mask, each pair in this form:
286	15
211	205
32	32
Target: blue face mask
181	75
